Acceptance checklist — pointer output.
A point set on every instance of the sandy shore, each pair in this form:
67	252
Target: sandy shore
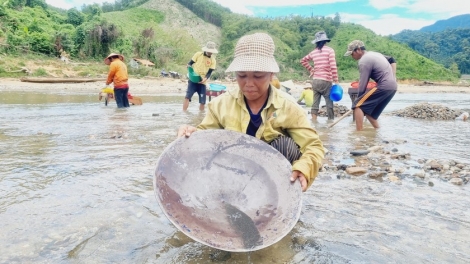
153	86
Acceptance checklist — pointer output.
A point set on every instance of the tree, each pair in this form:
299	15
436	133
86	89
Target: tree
75	17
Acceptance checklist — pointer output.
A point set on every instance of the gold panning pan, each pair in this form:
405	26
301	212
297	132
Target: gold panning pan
227	190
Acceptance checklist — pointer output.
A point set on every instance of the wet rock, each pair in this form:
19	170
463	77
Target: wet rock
377	174
359	152
429	111
431	184
393	178
420	174
394	150
395	170
356	171
338	110
220	255
375	148
436	166
456	181
402	156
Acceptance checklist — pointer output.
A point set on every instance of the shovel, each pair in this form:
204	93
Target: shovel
341	118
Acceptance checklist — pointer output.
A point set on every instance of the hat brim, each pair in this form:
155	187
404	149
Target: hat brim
107	61
316	41
253	63
288	84
214	51
348	53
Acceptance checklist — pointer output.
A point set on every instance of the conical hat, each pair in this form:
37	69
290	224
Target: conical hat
288	84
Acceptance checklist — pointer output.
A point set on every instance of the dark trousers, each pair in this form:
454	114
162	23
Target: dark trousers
287	147
120	95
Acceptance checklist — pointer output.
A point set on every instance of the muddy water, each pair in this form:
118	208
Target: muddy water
76	187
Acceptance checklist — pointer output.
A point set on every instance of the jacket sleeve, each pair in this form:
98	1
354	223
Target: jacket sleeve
310	145
211	120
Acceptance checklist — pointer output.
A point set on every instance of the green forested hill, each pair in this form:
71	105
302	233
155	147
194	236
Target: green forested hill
450	47
409	63
168	32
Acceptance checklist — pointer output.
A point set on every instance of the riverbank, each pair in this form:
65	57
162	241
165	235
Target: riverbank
154	86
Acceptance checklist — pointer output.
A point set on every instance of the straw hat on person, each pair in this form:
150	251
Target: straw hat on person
288	84
320	36
306	85
210	47
107	60
254	52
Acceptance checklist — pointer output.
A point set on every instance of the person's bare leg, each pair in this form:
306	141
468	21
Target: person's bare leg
373	121
314	117
201	107
359	116
185	104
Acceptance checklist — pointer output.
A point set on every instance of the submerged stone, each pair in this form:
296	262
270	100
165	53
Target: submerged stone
359	152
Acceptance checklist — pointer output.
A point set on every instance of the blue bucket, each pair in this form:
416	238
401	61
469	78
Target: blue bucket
336	93
216	87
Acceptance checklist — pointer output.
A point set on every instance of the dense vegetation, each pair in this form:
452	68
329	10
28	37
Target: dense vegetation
125	27
450	47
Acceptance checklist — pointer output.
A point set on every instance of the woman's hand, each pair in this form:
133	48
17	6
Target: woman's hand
311	73
299	175
203	80
185	130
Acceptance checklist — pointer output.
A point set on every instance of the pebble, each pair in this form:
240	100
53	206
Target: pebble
359	152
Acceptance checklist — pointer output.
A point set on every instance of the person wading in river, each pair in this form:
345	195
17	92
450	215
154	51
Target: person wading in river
371	102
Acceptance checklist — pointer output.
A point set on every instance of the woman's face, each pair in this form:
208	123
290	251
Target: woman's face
254	85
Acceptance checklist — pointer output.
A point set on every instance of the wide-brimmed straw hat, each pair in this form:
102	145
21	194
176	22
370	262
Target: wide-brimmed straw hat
210	47
288	84
320	36
107	60
254	52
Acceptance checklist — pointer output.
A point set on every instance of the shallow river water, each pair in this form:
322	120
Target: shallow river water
76	184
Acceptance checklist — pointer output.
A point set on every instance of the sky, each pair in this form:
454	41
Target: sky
384	17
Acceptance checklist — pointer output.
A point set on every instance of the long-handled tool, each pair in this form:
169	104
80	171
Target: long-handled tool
341	118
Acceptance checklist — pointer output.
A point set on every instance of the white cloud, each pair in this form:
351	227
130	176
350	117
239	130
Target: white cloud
387	24
440	9
444	9
241	6
386	4
67	4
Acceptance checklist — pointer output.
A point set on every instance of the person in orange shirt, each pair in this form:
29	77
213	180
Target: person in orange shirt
118	75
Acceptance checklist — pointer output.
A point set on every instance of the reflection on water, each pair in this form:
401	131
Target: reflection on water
76	185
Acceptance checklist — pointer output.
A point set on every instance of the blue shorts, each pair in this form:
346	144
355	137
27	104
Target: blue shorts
374	101
198	88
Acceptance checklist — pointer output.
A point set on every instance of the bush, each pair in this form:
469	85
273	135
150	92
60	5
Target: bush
40	72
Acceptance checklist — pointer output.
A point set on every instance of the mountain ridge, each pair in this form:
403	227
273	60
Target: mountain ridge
455	22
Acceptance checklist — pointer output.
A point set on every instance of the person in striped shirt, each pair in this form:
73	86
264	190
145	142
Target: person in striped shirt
324	73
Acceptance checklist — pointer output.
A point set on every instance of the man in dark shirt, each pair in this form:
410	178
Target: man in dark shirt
371	102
